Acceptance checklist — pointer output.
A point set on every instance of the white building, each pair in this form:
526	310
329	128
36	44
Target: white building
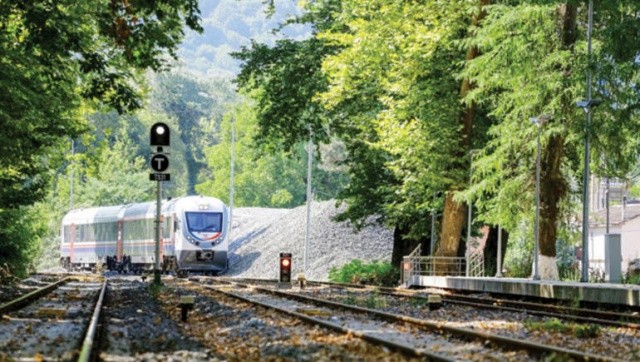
624	219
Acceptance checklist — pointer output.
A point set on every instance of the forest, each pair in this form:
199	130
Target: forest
415	108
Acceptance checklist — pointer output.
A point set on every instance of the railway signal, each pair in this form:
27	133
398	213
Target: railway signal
285	268
160	135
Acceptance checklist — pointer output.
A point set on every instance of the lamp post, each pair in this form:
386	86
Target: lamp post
586	106
538	121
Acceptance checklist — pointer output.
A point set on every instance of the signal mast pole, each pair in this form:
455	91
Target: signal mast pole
308	231
159	137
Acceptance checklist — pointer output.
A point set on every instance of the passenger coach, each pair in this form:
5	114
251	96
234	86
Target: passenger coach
194	232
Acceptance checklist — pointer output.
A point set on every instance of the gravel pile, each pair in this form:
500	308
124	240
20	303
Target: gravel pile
259	235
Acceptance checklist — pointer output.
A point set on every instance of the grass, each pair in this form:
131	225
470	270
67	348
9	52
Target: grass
554	325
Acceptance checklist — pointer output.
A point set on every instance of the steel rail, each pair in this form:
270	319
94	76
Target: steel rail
87	344
499	341
24	300
405	348
555	308
568	313
574	314
519	309
569	316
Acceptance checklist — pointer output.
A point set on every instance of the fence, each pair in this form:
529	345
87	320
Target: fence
416	265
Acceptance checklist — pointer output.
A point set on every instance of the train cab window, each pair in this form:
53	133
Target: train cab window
204	221
176	224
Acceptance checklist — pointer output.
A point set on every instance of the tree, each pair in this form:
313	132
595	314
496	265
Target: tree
197	106
533	61
274	179
387	88
57	54
413	88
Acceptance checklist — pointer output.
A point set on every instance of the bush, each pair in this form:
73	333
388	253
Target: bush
374	273
587	331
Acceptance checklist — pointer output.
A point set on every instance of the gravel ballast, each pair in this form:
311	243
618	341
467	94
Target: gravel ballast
259	235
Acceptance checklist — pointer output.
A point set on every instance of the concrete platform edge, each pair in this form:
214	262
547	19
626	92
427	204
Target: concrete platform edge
621	294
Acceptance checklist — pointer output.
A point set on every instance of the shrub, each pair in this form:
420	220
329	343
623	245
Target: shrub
555	325
587	331
550	325
373	273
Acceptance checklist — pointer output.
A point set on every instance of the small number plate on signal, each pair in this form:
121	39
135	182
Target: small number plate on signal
159	177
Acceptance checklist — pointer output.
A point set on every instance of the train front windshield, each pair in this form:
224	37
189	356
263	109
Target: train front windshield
204	221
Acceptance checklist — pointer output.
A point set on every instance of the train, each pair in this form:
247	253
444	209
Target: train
194	236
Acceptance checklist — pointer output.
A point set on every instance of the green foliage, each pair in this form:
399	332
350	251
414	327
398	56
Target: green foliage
275	179
197	107
566	260
154	289
350	300
373	273
586	331
420	302
549	325
554	325
55	56
634	191
519	256
17	247
374	302
284	79
631	279
394	78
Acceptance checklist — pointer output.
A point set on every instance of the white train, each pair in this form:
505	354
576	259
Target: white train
194	236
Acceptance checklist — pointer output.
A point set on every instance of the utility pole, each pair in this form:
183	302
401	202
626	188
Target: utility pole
233	141
309	196
73	151
586	105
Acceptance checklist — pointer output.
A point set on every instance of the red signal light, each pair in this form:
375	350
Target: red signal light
285	267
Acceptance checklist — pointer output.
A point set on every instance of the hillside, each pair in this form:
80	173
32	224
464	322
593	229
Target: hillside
228	26
259	235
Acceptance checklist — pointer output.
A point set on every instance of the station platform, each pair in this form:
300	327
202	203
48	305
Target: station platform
606	293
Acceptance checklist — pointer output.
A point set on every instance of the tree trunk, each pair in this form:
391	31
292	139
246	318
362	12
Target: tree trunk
403	246
553	187
491	250
453	215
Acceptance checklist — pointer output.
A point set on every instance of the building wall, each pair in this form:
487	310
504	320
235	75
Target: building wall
629	240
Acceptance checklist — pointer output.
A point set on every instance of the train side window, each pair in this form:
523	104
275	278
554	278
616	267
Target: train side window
176	224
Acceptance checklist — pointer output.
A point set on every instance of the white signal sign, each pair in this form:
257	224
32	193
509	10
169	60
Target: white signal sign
159	162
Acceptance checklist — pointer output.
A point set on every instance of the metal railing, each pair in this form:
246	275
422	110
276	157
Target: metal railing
476	264
416	265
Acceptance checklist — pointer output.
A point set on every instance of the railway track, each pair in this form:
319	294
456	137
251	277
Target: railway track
55	322
413	336
128	319
579	315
